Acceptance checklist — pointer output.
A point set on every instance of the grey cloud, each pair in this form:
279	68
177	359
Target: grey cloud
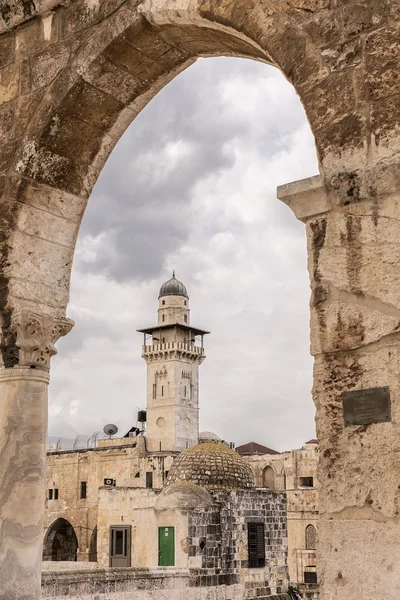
149	217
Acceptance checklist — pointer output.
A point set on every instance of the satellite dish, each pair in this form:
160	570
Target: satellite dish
110	429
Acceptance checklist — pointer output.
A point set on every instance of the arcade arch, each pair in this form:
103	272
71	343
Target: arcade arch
269	478
60	542
76	76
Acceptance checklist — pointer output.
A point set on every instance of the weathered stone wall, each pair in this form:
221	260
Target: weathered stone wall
301	503
218	542
136	584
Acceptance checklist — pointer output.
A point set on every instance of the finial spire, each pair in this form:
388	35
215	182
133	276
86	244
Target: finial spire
173	274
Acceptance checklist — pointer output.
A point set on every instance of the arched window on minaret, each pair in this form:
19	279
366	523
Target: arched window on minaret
311	537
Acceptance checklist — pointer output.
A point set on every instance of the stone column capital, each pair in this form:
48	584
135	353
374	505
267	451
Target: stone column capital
28	338
307	198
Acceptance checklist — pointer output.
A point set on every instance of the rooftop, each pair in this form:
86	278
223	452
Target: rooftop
254	448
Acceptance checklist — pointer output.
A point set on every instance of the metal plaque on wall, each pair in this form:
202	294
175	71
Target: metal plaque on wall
362	407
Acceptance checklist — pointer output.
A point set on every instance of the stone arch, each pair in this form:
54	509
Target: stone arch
92	66
60	542
268	477
94	93
311	537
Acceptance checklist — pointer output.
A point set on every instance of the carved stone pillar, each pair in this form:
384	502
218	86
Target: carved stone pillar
353	239
27	346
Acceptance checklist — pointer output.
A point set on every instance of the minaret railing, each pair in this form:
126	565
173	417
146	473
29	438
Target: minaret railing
173	346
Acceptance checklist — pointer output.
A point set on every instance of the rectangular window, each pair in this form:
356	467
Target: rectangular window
185	392
50	494
162	390
83	490
256	545
120	546
306	482
310	577
56	494
154	391
149	479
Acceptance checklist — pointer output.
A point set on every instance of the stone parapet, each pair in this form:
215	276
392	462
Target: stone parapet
141	584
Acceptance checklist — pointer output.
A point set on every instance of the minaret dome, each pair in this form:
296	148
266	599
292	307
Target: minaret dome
173	287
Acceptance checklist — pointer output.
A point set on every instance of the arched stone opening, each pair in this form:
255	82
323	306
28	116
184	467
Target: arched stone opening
60	542
91	68
269	478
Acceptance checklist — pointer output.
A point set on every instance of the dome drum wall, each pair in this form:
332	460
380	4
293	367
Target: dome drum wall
212	466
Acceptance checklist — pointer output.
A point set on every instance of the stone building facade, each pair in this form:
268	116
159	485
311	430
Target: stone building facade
229	537
295	472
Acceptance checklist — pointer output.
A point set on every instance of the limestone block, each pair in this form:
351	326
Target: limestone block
382	58
344	56
361	16
36	35
113	80
47	199
348	326
385	114
30	261
7	49
371	271
323	28
41	69
342	145
346	230
333	98
35	222
9	83
348	574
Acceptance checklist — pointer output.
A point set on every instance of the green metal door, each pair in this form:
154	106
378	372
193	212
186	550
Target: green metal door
166	546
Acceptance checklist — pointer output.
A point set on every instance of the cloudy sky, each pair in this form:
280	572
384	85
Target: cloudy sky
191	186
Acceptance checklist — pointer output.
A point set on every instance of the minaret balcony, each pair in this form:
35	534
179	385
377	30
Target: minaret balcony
172	348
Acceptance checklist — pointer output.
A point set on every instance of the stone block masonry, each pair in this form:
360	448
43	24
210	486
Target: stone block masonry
137	584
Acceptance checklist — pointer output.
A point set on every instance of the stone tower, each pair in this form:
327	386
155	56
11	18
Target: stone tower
173	351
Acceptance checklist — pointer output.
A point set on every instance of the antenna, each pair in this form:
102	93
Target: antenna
110	429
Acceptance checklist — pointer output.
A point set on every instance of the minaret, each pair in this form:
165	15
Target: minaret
173	351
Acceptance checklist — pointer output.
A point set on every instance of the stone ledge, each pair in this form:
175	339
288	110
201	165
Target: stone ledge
306	197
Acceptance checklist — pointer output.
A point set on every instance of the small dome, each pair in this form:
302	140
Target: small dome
208	436
173	287
213	466
184	495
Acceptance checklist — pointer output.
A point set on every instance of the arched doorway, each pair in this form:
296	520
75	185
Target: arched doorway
269	478
60	543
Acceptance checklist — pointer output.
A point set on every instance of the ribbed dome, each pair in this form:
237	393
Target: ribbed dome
213	466
173	287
